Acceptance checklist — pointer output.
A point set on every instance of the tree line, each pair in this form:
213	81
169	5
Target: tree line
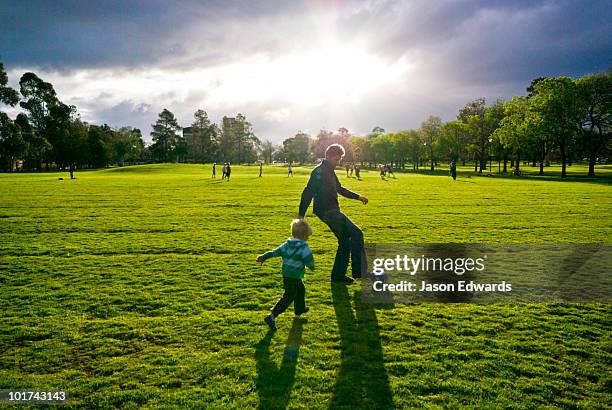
559	119
51	134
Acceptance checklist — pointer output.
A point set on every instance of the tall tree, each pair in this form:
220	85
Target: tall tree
238	142
431	129
297	148
165	136
415	139
8	96
473	115
557	102
203	143
50	117
267	150
454	140
595	104
401	147
12	145
515	128
37	147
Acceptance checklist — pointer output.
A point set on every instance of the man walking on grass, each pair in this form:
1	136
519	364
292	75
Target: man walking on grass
324	187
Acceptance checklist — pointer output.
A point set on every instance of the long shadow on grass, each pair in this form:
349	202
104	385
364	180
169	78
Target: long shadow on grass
362	380
274	384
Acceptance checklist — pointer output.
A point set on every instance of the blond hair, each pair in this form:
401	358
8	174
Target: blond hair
300	229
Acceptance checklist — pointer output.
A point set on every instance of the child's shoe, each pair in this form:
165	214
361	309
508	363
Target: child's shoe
270	322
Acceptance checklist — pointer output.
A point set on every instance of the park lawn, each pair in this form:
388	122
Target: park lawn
138	287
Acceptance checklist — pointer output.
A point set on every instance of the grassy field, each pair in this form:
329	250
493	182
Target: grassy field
137	287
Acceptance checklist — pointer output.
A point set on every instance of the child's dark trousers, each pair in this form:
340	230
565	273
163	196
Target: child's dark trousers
294	292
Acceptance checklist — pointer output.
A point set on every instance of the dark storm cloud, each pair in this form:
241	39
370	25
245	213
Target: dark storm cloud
492	41
460	50
64	34
488	40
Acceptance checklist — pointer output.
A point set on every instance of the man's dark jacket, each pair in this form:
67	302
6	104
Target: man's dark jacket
324	187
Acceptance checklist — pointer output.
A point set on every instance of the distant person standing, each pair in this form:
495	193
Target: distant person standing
228	171
324	187
260	168
352	168
390	171
453	170
72	170
289	170
224	170
357	171
214	174
347	166
382	171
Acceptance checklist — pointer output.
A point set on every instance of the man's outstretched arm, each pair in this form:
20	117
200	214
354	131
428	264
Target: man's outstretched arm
309	191
349	194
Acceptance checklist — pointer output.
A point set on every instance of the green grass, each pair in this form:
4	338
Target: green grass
138	287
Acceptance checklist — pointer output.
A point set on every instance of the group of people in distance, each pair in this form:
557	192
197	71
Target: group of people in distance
324	187
227	171
350	167
385	169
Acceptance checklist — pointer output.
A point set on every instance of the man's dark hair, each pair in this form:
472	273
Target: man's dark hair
333	150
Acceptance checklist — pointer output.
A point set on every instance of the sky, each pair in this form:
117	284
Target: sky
292	66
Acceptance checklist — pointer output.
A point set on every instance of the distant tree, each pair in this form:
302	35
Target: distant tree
382	147
401	147
415	141
323	140
297	148
473	115
205	138
377	130
8	96
49	117
76	143
165	137
37	147
267	150
238	142
515	129
595	105
454	140
557	102
100	145
431	130
39	98
127	145
531	90
361	148
12	145
492	120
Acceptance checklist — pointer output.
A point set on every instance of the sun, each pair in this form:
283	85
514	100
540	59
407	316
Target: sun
322	75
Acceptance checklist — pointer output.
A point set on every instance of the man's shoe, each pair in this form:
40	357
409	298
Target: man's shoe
345	280
306	309
270	322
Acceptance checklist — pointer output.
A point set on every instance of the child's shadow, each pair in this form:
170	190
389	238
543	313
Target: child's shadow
274	384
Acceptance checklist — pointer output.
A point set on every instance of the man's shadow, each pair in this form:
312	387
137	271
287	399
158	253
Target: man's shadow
274	384
362	380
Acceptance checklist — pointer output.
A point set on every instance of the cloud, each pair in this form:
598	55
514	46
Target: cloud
298	66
